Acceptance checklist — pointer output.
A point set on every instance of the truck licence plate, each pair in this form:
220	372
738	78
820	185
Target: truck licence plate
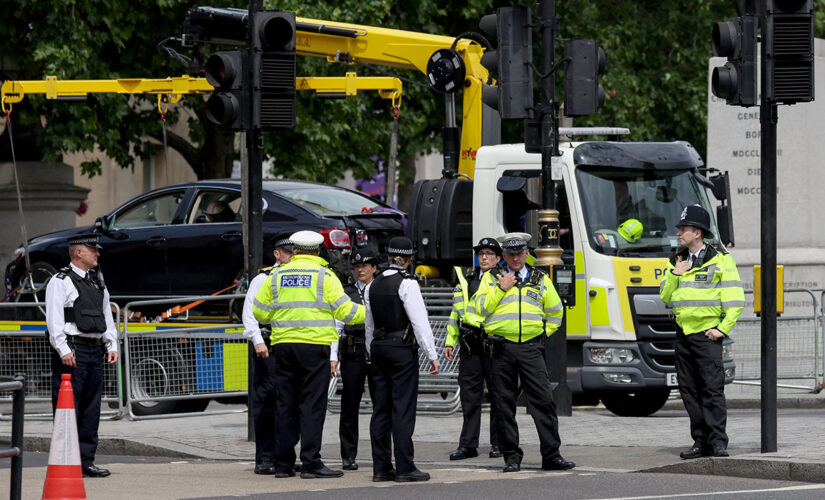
670	380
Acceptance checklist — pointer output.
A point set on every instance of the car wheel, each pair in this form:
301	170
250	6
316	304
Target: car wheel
33	289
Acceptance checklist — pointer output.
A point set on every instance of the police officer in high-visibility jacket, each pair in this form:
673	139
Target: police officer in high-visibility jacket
263	365
702	286
520	308
474	368
395	327
301	301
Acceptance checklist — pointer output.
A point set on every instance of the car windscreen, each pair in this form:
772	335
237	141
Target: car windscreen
328	201
652	198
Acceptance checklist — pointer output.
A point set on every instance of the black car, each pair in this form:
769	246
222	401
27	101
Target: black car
187	239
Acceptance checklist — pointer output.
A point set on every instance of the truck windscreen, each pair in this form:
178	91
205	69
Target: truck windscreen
633	213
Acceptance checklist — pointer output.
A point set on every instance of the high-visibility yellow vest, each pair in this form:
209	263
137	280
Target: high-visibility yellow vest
463	311
524	311
301	301
709	295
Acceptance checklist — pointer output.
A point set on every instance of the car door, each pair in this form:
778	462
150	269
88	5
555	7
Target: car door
133	259
205	252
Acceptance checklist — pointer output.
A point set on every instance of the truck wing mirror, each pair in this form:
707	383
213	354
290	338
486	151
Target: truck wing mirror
721	186
724	221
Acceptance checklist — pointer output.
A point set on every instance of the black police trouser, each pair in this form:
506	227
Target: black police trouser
87	386
702	387
474	370
511	362
263	406
302	384
395	378
354	371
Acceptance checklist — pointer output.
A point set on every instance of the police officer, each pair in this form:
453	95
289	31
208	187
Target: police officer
520	307
396	325
301	301
474	371
263	365
352	355
80	324
703	288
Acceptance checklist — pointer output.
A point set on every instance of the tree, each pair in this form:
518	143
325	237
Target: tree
656	79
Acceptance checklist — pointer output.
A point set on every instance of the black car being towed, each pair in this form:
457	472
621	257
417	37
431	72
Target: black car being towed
163	242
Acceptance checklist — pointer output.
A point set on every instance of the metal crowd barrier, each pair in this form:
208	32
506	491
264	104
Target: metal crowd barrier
798	344
438	394
173	368
25	349
17	385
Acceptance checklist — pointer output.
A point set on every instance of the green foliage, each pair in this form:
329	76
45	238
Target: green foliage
656	78
657	52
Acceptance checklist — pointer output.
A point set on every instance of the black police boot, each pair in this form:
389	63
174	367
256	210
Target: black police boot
512	467
695	451
461	453
267	468
495	452
384	476
557	463
349	464
323	473
720	451
95	471
410	477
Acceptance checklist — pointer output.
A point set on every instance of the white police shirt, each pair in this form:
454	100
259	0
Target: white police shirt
61	293
251	327
410	294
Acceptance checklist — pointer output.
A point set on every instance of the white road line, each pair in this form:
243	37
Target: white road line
737	492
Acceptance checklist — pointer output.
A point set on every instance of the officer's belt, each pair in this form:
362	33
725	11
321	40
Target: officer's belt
398	334
537	338
470	329
87	341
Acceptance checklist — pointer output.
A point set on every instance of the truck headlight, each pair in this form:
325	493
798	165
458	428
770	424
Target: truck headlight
611	355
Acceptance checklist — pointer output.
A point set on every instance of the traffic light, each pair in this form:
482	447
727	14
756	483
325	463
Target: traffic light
788	38
510	63
582	93
736	80
273	84
228	106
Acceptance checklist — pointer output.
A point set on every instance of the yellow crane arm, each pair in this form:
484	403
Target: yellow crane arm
14	91
174	88
402	49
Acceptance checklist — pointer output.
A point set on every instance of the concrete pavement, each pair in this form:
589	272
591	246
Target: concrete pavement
593	437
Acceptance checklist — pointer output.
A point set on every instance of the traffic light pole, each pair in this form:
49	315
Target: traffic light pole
767	120
548	253
252	194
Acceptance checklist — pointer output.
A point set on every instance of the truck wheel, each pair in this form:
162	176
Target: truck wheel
636	404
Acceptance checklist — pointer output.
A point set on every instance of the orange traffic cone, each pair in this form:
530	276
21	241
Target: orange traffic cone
64	478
